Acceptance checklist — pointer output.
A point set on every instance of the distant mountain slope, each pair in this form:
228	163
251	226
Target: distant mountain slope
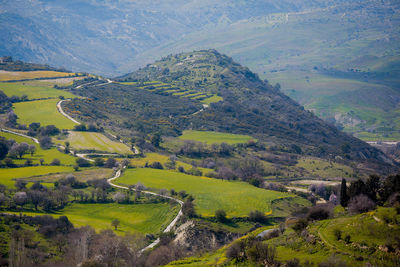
109	37
249	106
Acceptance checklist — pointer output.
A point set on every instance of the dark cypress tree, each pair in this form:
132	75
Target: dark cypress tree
344	199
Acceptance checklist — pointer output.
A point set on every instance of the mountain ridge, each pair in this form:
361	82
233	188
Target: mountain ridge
249	105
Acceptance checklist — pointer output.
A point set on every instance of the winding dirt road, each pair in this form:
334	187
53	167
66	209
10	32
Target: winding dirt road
169	227
118	174
65	114
20	134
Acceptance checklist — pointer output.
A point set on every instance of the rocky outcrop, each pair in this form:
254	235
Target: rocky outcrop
196	236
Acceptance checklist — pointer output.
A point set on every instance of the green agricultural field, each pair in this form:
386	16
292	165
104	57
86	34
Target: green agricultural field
48	155
96	141
213	99
142	218
321	168
43	111
93	173
236	198
7	176
153	157
215	137
33	92
23	75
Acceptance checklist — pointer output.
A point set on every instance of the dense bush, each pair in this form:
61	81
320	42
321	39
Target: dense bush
320	212
257	216
360	204
82	162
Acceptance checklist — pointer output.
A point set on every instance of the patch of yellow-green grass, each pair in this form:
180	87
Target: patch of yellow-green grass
33	91
47	154
142	218
213	99
23	75
323	168
43	111
7	175
96	141
180	93
83	175
215	137
154	157
236	198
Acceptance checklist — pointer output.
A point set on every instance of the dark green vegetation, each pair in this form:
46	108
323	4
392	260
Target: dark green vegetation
8	64
325	235
249	106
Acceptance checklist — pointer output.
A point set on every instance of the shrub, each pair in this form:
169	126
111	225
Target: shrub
262	253
80	128
188	209
82	162
300	225
293	263
220	215
55	162
337	233
236	251
320	212
257	216
45	142
181	169
347	239
156	165
360	204
110	163
99	162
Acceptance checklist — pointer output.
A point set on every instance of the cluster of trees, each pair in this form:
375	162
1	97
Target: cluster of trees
70	246
200	150
254	250
362	196
9	150
89	128
35	129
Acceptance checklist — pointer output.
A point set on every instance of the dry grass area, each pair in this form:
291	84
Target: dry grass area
83	176
22	75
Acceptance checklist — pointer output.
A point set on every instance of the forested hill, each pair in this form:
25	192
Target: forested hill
237	102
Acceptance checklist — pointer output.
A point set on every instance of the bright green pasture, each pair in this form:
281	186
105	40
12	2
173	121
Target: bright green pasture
96	141
215	137
143	218
7	176
48	155
236	198
43	111
33	92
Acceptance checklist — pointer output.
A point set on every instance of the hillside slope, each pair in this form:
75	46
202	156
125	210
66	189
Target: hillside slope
247	105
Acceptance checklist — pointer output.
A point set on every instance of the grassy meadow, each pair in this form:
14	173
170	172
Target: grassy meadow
215	137
8	176
43	111
96	141
236	198
33	91
47	154
142	218
24	75
84	175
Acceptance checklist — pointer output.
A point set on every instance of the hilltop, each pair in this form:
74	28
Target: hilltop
205	90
